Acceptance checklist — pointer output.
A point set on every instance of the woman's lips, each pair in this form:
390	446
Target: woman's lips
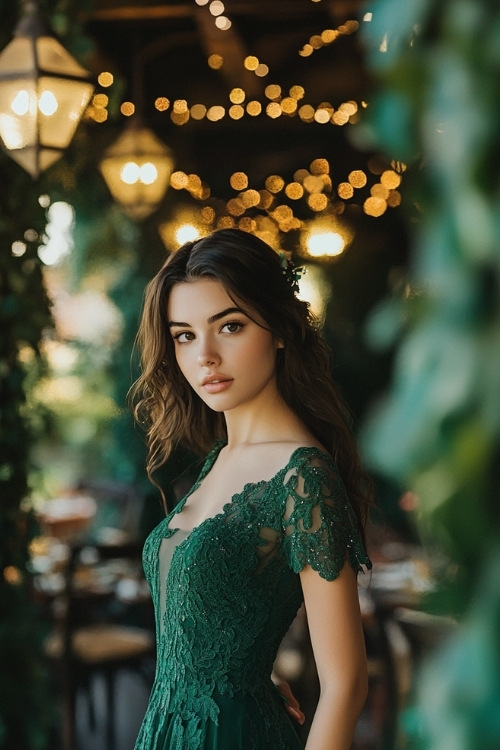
216	385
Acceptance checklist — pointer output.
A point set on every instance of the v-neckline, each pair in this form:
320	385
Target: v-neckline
211	459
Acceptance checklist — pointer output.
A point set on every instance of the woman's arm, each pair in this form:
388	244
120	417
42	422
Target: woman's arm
337	639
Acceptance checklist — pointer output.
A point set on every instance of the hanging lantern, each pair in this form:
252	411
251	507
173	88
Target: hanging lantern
137	169
43	94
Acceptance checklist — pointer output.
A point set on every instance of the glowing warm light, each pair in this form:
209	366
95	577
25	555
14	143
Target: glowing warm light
306	112
390	179
18	248
99	114
225	222
236	112
294	190
179	180
350	26
47	103
313	184
275	183
357	178
235	207
237	96
349	107
207	215
216	8
315	289
324	244
319	166
322	116
21	103
297	92
261	70
59	242
254	108
198	111
12	575
273	110
148	173
251	62
186	233
130	172
43	94
215	62
127	109
394	199
194	183
246	224
137	168
266	199
180	118
289	105
105	79
250	198
345	190
374	206
379	191
273	91
398	166
215	113
162	103
238	181
329	35
223	23
340	118
100	100
317	202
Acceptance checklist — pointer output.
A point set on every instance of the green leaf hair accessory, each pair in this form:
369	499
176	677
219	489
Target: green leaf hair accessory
291	273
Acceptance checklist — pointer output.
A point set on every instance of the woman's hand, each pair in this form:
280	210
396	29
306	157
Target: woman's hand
292	706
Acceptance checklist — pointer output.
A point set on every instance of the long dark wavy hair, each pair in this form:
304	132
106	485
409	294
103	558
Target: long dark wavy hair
252	274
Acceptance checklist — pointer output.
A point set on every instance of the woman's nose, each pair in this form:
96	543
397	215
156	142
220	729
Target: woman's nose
208	355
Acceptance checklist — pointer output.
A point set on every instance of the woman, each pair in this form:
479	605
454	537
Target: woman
233	364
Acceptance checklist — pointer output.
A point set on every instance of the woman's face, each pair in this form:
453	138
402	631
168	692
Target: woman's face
227	358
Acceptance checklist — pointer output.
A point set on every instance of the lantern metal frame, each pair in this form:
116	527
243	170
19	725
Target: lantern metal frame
140	147
34	27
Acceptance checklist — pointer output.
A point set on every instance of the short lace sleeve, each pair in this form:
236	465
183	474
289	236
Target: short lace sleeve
319	525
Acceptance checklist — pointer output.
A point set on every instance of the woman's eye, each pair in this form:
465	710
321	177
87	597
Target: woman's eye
232	327
183	337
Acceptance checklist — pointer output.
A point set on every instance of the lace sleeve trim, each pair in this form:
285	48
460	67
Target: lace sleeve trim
320	528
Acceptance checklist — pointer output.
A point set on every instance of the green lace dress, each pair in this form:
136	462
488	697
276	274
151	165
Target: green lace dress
225	594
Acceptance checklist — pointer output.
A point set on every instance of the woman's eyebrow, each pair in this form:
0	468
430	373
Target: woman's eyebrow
211	319
227	311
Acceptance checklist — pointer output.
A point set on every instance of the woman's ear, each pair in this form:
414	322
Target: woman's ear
279	344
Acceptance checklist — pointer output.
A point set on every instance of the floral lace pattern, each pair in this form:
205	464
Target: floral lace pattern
232	593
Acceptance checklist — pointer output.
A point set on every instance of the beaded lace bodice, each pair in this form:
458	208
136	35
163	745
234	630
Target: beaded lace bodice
230	590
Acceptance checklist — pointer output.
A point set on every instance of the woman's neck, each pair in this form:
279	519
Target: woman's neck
270	422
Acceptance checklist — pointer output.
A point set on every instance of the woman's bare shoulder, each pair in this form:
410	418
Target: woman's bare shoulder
275	454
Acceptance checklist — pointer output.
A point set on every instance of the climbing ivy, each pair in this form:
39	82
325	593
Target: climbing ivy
26	713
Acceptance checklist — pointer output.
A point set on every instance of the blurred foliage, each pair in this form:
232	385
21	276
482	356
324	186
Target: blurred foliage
26	712
437	64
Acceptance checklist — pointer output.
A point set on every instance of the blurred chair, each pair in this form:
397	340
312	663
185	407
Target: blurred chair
119	508
105	625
